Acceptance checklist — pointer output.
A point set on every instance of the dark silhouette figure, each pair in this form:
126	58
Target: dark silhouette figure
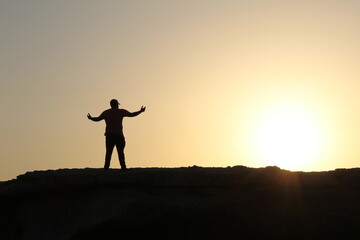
114	130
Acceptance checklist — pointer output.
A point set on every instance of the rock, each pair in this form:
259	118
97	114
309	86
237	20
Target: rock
181	203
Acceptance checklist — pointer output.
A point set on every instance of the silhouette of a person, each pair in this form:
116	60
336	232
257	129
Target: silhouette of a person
114	130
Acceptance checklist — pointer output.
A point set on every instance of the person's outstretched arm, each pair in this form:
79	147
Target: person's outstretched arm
134	114
95	119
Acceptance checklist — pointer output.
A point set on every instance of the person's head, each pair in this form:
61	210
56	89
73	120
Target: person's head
114	103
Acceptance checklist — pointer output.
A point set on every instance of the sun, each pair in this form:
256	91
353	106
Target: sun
288	137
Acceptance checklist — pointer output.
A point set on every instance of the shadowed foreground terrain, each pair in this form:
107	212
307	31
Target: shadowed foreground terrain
181	203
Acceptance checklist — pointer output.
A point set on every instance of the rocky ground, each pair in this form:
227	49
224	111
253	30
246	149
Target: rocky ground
181	203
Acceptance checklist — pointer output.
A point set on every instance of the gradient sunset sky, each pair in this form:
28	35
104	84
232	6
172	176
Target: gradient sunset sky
254	82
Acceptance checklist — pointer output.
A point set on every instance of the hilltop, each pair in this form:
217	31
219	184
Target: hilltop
181	203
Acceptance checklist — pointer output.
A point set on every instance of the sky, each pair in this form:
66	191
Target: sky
254	82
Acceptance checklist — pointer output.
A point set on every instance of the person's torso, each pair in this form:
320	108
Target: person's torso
113	119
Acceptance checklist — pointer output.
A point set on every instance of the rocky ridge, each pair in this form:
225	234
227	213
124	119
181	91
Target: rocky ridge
181	203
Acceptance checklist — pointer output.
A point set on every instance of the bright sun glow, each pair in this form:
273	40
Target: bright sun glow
288	137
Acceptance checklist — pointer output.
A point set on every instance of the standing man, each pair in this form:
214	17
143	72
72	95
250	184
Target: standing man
114	130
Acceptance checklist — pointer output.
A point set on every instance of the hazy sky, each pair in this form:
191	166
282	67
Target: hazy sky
211	73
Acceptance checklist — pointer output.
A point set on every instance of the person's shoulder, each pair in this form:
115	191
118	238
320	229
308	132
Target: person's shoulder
123	111
107	111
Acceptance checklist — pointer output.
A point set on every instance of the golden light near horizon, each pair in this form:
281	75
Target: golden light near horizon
253	83
288	136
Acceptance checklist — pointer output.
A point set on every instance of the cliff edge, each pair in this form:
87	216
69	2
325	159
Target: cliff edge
181	203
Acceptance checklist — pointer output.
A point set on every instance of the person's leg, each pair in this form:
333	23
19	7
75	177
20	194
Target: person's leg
110	143
120	146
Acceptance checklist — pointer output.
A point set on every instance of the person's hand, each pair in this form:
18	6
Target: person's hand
89	116
142	109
